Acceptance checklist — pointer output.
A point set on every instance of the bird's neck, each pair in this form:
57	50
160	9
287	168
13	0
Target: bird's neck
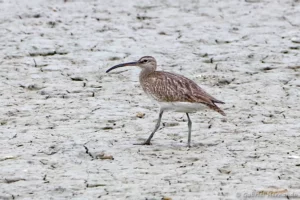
146	71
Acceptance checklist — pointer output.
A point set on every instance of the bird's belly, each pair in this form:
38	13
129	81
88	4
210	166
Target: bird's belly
182	106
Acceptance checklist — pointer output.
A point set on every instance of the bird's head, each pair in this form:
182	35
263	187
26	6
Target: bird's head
144	63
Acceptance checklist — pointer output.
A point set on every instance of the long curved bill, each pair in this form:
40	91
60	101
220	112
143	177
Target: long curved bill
122	65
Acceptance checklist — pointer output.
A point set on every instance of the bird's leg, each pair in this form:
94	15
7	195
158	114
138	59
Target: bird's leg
155	129
190	129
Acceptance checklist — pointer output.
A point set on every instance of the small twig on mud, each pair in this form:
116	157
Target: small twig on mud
35	65
45	179
87	152
286	19
12	180
14	136
48	53
95	109
92	49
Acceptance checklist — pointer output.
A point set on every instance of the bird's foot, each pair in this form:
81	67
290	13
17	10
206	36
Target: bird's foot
144	143
188	146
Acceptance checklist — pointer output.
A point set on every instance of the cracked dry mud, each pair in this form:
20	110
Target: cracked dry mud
61	114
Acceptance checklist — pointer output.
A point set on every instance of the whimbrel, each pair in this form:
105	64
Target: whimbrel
172	92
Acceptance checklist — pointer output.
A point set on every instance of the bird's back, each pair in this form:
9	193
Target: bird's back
170	87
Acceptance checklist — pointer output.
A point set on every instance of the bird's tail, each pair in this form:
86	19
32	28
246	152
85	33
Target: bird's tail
216	108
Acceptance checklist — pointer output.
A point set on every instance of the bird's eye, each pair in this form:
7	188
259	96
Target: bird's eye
144	61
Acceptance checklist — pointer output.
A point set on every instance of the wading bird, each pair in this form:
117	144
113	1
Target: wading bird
172	92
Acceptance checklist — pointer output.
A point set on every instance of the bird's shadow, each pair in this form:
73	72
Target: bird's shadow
176	145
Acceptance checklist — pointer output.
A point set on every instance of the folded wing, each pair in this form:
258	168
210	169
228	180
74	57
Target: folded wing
169	87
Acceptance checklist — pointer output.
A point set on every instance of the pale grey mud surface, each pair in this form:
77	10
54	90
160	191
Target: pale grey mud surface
63	118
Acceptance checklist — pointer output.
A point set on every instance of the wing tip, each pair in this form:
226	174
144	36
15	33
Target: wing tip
218	101
222	112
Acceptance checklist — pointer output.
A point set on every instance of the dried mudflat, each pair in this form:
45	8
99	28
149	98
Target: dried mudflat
67	128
